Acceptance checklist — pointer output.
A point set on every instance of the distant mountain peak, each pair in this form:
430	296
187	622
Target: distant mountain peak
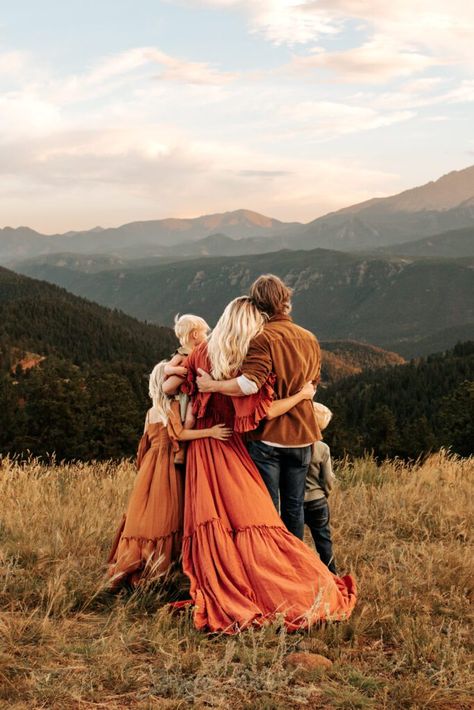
450	190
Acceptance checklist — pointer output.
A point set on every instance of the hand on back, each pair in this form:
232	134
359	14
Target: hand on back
221	432
308	391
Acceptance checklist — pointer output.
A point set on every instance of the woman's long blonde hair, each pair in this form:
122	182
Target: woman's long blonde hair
161	401
230	339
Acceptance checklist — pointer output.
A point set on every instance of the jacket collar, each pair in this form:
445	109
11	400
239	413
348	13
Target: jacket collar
280	316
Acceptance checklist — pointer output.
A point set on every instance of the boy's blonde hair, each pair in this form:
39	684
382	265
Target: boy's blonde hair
323	414
185	324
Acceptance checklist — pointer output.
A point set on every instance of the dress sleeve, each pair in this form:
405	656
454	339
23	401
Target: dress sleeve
175	425
143	447
189	383
197	359
250	410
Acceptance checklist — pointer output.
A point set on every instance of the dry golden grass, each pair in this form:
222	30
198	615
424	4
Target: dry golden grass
65	643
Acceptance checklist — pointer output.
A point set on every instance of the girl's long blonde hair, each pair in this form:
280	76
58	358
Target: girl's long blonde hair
230	339
161	401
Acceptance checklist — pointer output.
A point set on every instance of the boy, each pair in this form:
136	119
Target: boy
319	482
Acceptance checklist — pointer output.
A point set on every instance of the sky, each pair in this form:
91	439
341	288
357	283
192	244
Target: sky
113	111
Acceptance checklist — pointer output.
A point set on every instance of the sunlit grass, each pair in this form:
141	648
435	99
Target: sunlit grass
67	642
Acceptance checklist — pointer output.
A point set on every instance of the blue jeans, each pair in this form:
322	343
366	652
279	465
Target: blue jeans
316	517
284	473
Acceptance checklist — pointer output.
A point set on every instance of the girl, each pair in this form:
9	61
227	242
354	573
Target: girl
148	541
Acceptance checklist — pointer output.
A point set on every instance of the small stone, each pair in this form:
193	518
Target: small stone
308	661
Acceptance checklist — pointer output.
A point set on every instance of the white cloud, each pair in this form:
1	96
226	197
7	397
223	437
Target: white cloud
328	118
396	38
282	21
12	62
121	175
373	62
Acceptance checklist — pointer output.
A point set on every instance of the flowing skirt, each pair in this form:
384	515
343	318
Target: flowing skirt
244	566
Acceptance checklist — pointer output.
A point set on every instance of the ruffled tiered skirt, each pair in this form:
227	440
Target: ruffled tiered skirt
148	541
245	568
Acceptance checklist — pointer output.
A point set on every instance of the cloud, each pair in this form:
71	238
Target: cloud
328	118
12	62
281	21
373	62
392	39
111	73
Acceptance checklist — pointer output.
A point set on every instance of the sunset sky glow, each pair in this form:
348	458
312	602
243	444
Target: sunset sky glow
116	111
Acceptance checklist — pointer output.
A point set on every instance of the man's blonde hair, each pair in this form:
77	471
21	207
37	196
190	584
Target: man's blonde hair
185	324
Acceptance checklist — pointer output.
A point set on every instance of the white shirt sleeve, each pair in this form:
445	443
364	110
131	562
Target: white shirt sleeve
247	386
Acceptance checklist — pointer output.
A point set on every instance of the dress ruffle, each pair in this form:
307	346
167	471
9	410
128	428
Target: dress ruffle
249	411
244	566
148	540
272	584
137	558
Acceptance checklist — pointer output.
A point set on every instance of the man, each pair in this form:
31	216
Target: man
281	448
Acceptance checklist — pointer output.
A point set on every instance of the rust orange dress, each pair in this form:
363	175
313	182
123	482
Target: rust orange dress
148	541
244	566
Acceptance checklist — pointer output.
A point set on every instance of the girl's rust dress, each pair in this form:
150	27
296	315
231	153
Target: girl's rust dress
148	541
244	566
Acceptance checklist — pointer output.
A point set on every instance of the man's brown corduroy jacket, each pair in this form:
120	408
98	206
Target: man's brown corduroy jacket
294	356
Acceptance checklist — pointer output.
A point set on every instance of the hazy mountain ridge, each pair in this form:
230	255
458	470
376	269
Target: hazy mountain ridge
439	206
400	304
137	238
456	243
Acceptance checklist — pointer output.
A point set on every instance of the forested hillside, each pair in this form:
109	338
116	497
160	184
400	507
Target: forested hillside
408	305
405	411
48	320
72	373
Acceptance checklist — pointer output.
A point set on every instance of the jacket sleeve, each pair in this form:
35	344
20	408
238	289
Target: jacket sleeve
316	368
258	361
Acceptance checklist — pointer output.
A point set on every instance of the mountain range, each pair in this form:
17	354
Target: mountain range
440	206
409	305
398	273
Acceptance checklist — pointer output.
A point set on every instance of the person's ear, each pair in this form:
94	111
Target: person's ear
194	334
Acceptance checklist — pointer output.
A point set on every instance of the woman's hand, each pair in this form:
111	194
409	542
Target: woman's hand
308	391
221	432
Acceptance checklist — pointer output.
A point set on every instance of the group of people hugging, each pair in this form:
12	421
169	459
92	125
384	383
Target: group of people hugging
230	468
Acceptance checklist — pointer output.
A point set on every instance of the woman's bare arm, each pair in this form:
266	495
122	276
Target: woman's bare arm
282	406
219	431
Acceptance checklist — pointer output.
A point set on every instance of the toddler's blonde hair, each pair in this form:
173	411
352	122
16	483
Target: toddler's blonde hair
185	324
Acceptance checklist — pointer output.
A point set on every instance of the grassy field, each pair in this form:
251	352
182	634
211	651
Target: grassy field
67	643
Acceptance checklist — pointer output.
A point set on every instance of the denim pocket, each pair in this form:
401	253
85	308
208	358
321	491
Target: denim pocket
259	450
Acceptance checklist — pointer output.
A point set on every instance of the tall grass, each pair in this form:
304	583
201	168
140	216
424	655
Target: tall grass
67	642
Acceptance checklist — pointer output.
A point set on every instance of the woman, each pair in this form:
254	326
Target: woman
245	567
